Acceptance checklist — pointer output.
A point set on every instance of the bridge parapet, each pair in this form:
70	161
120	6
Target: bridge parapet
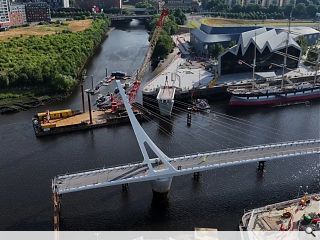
139	172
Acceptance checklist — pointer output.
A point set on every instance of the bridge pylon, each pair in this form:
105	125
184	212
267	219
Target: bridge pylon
161	185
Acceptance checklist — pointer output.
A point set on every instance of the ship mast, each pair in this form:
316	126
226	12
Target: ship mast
287	43
254	58
317	69
254	55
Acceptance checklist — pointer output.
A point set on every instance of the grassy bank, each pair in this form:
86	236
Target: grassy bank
46	29
14	102
47	65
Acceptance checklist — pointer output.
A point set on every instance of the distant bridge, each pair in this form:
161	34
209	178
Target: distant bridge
162	169
129	17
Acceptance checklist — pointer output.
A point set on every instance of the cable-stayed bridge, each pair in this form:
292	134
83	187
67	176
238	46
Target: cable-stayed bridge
162	169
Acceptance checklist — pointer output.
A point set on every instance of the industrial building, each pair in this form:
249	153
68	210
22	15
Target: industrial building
269	46
4	13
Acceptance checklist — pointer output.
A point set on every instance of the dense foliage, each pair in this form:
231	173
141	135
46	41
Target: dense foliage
304	9
215	50
144	4
165	43
62	13
51	62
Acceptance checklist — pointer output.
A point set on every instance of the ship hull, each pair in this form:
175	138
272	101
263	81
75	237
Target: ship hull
276	99
165	107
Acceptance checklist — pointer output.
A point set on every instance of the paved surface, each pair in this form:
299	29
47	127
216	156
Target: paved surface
183	165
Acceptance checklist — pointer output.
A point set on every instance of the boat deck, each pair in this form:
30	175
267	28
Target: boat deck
271	217
97	117
166	93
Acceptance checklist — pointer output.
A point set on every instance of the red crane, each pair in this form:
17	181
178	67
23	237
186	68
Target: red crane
135	85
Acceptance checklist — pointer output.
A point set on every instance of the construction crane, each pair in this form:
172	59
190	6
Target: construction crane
133	86
153	42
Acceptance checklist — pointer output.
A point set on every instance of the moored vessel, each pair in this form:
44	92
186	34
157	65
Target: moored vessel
165	99
270	96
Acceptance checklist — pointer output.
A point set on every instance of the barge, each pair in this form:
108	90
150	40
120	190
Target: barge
65	121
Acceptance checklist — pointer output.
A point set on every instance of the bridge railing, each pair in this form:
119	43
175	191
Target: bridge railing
97	170
239	149
193	155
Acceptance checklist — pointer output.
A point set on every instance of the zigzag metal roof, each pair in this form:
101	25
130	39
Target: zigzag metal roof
262	39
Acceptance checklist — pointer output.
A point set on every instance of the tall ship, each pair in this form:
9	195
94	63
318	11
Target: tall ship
287	90
275	95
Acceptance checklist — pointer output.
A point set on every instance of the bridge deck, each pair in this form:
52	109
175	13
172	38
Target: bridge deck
184	165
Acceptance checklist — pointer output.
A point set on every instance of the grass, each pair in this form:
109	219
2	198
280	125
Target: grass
14	102
41	30
236	22
193	24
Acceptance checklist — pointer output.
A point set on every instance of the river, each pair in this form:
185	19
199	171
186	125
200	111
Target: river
28	164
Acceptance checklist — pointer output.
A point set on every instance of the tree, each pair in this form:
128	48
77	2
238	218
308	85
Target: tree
302	41
215	50
312	55
311	10
144	4
163	47
299	11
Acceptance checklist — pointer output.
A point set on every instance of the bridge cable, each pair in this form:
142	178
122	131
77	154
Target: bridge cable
215	121
184	130
201	136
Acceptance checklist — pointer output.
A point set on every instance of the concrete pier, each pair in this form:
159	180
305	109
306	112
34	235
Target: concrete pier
161	187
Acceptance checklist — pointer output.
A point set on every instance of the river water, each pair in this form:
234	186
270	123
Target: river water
27	164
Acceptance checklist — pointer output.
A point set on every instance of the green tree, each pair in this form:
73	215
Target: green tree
302	41
163	47
215	50
312	55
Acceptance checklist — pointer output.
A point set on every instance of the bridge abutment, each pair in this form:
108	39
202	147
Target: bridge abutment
161	188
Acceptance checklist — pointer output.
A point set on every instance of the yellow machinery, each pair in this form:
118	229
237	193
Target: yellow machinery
55	114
